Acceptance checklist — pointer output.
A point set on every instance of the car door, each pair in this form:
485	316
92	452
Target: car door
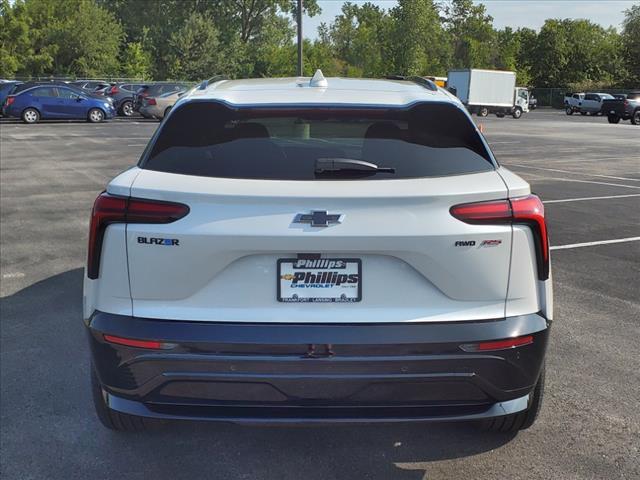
589	104
70	104
44	99
576	100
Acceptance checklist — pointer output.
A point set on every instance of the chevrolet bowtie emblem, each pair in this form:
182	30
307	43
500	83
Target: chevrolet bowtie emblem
319	218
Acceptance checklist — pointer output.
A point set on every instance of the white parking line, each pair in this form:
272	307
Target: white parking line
13	275
591	244
587	181
591	198
574	173
137	145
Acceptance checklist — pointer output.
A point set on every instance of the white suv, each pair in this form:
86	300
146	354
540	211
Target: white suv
318	250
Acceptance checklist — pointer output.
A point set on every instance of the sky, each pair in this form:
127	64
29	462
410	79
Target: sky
506	13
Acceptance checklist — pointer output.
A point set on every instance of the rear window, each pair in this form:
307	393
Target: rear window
213	140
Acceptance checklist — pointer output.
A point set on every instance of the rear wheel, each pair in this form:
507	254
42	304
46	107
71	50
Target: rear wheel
483	111
521	420
110	418
635	119
95	115
517	113
30	115
127	108
613	118
569	111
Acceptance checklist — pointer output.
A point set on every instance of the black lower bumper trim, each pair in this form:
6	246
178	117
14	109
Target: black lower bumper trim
309	415
319	372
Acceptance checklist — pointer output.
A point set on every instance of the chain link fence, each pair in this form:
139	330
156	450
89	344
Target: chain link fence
554	97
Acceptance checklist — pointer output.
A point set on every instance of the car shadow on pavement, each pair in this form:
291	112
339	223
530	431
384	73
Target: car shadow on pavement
50	429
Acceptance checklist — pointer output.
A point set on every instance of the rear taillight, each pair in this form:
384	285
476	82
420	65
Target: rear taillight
132	342
109	209
113	90
523	210
151	101
498	344
10	99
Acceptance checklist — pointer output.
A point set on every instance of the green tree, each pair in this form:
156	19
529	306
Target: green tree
241	27
418	40
527	39
472	35
576	54
135	61
14	38
71	37
631	45
195	51
361	40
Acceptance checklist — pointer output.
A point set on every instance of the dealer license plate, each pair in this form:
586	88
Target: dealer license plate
319	280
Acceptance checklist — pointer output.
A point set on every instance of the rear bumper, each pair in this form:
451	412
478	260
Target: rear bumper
297	373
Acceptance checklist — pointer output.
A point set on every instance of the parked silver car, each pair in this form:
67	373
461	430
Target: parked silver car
158	107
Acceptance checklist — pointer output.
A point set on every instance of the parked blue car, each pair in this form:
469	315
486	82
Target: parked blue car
57	102
5	90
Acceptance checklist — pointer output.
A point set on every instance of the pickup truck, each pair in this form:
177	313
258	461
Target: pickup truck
623	109
572	102
586	103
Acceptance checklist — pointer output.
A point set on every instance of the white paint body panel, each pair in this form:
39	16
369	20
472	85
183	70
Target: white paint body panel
490	88
224	268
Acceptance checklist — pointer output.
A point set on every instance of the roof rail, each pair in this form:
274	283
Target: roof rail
423	82
214	79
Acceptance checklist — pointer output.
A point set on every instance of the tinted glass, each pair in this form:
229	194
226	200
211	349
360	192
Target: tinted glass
44	92
210	139
66	93
7	87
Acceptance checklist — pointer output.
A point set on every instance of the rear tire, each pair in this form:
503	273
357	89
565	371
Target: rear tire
613	118
521	420
30	115
126	109
483	111
111	419
517	113
569	111
95	115
635	118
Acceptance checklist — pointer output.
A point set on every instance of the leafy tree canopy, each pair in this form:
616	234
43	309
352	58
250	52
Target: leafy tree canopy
195	39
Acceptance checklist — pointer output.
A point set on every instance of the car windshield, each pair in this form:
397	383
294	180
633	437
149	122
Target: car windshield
288	143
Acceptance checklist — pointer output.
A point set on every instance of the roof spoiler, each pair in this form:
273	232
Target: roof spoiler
216	78
423	82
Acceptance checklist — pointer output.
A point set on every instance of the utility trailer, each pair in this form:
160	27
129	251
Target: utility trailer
489	91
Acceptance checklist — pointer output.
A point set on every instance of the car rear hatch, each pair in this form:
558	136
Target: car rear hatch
268	236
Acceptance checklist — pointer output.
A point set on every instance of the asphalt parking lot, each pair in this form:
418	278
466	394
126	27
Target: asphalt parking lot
587	172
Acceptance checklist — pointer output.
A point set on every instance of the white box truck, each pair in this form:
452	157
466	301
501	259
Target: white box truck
489	91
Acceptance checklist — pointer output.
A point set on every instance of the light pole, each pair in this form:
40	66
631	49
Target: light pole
299	12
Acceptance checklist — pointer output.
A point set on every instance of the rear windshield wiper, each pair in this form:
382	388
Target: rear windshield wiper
332	165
